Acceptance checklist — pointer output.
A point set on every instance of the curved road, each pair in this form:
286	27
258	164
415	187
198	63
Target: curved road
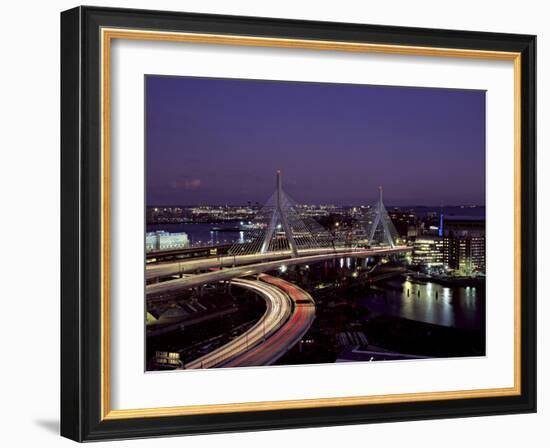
286	336
279	308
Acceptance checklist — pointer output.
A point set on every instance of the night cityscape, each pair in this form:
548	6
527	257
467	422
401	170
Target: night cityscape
297	223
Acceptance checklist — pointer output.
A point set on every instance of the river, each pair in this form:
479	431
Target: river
460	307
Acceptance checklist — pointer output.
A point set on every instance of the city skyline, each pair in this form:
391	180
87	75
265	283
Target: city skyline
220	141
257	251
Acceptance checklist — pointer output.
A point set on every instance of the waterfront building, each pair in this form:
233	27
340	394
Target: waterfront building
427	251
161	240
464	244
466	255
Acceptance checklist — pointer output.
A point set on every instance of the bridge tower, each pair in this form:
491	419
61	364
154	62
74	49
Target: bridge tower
279	218
281	226
382	219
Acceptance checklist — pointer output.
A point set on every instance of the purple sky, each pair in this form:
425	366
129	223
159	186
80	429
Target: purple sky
220	141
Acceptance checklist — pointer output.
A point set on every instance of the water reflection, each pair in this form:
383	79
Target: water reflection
461	307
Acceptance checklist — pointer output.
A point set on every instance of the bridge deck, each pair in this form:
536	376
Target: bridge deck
258	268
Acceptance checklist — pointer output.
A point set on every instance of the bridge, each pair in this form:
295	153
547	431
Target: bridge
280	232
279	227
190	281
280	236
182	268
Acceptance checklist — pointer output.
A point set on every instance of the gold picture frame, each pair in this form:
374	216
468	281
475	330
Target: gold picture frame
106	31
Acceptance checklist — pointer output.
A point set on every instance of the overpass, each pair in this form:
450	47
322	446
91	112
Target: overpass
260	267
288	335
278	309
186	267
290	311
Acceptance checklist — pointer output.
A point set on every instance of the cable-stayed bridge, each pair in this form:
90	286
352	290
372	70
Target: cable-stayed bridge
279	226
281	235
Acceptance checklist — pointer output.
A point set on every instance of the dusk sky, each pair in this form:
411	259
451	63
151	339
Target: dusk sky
220	141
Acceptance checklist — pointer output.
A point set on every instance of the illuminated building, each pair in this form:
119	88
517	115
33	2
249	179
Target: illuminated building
464	244
427	251
161	240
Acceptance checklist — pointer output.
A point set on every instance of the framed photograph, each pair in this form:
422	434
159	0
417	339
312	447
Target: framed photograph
275	224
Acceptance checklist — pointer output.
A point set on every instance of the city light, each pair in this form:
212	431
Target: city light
244	270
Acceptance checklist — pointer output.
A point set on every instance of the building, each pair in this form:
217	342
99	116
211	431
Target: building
427	251
464	244
161	240
466	256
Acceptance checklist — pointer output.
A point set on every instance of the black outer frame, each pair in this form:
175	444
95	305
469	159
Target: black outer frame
81	208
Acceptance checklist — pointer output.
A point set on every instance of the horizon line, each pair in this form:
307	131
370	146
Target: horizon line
463	205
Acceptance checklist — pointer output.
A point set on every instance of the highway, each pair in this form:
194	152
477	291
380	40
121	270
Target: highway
188	266
269	351
257	268
278	309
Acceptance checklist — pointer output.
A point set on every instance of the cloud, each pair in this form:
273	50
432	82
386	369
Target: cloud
186	184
